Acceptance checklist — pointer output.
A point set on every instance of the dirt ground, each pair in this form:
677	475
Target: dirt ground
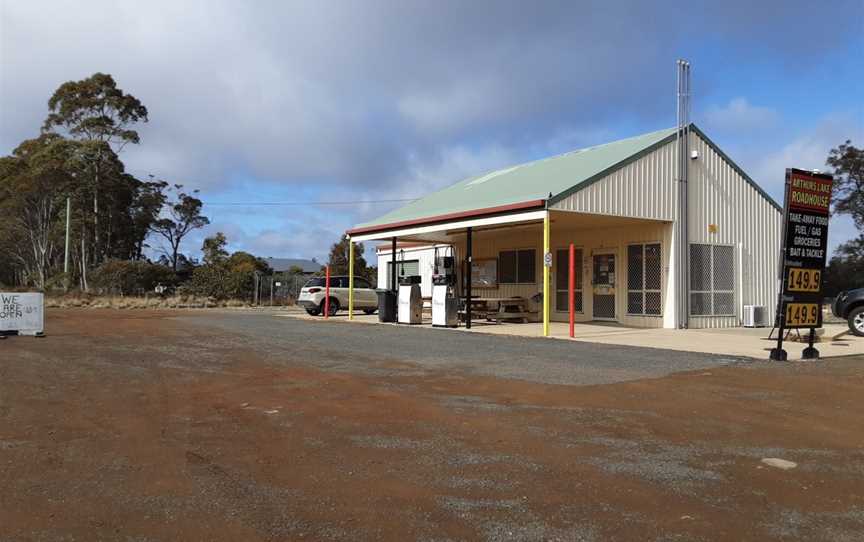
141	425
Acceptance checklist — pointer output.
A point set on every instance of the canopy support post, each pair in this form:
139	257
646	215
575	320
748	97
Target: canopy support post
350	279
545	275
468	263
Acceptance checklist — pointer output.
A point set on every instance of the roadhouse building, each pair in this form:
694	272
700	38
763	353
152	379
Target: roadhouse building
669	232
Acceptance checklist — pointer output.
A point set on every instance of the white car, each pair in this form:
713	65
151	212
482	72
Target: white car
313	293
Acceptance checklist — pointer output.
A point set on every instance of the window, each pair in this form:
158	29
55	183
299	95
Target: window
644	277
313	282
361	283
712	280
405	268
321	282
562	281
517	266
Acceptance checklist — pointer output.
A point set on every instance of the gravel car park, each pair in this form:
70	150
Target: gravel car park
238	425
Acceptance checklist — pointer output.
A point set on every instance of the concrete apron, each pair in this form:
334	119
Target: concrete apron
747	342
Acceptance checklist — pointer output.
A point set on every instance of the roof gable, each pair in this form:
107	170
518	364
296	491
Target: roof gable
525	182
552	179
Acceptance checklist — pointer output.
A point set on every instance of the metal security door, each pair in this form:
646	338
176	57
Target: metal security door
603	285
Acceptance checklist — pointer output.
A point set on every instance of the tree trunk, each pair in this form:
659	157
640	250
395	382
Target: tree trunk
175	249
96	221
83	263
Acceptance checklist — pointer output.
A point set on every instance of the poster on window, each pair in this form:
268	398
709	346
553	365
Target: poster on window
484	273
805	243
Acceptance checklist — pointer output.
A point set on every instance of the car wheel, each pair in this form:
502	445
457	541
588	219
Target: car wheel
856	321
313	312
334	306
369	311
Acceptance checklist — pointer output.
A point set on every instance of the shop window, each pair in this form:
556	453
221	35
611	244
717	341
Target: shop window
562	280
712	280
517	266
644	279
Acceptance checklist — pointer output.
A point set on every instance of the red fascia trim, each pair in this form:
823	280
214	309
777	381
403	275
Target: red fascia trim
450	216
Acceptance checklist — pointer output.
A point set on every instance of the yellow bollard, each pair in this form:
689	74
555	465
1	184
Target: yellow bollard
545	275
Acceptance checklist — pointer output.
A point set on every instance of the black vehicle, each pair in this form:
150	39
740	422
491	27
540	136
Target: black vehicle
850	306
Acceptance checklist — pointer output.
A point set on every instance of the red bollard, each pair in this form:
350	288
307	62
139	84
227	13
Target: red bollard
327	292
572	290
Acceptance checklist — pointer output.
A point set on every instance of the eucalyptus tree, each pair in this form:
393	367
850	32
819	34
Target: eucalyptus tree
95	112
34	181
183	216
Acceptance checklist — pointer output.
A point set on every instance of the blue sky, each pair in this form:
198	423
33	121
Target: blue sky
382	100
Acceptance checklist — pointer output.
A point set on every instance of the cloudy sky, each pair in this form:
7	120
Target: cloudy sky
286	102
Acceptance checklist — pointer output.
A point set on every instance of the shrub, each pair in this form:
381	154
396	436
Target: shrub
131	277
218	281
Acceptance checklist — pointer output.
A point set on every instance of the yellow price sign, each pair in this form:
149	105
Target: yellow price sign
804	280
802	315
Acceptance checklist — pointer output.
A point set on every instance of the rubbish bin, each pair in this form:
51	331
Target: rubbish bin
386	305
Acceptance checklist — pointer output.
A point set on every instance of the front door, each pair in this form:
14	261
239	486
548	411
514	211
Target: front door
603	285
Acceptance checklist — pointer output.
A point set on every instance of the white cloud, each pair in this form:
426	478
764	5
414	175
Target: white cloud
808	149
362	100
739	116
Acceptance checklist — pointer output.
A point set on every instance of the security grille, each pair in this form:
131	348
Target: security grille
644	277
562	281
604	306
712	280
603	300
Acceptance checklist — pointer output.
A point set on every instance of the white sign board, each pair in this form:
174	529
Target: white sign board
22	312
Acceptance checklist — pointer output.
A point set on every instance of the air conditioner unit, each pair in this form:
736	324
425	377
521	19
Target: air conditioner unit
754	316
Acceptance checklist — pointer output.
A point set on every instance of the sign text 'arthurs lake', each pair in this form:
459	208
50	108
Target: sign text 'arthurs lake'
808	203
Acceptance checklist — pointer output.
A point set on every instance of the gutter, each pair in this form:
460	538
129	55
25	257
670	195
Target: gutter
475	213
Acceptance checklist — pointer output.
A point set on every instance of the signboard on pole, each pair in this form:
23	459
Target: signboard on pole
805	246
22	312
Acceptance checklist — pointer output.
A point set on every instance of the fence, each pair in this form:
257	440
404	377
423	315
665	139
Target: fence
281	289
278	288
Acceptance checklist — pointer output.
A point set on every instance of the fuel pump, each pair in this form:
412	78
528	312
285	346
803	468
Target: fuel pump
444	302
410	303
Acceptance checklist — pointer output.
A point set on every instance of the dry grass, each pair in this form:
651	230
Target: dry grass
133	302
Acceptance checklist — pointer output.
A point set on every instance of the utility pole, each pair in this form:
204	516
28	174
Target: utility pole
66	258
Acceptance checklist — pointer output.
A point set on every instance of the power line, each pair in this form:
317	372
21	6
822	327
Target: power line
298	203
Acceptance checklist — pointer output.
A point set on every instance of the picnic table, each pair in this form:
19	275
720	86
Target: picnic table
496	309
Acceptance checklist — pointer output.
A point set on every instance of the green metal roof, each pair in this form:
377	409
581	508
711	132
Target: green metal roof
525	182
531	182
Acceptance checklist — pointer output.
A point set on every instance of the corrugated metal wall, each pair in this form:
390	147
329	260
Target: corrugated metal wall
722	197
641	189
595	241
718	195
488	244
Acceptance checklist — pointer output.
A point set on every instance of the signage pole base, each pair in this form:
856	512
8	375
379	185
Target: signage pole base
810	353
778	354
